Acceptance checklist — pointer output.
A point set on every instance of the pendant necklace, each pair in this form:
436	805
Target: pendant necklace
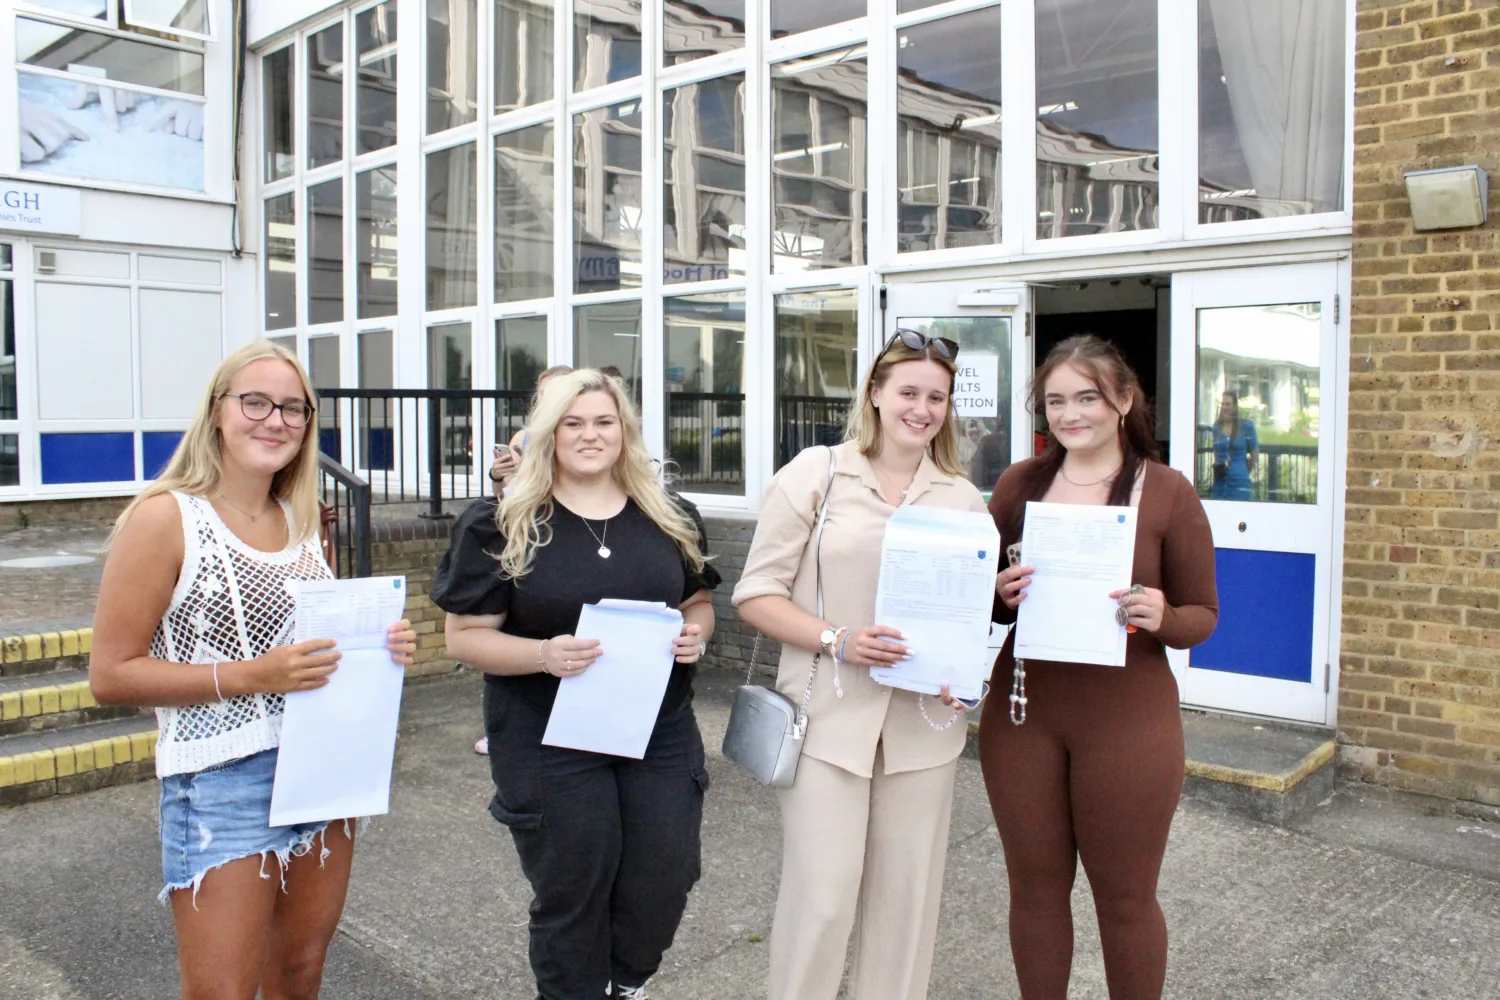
603	549
253	517
1098	482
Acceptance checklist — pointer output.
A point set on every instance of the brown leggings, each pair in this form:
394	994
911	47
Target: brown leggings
1094	774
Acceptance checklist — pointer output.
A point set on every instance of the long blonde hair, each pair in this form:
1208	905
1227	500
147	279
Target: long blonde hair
197	465
525	515
864	420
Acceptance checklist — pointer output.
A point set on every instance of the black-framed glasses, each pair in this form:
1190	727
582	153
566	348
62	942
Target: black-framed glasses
915	340
295	413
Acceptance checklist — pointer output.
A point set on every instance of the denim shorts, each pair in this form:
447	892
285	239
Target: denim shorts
221	814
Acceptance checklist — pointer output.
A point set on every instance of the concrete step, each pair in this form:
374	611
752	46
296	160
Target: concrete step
78	758
53	700
45	652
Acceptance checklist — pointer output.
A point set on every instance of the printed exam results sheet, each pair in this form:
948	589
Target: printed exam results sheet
1081	554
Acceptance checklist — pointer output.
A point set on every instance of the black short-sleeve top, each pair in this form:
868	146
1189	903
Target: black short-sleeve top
644	564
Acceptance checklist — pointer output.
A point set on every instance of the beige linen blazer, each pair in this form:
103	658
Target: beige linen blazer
845	731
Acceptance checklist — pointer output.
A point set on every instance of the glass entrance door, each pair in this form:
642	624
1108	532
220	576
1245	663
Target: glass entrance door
989	324
1256	427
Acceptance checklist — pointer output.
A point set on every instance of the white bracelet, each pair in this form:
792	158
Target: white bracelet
217	691
541	662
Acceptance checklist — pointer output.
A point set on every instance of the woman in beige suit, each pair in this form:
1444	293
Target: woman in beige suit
865	826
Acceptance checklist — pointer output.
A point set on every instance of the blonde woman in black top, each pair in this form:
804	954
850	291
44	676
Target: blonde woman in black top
609	844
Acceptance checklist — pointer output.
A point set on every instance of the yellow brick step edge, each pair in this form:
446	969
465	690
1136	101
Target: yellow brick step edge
46	645
64	762
46	699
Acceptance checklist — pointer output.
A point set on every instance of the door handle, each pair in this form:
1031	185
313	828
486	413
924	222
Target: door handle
1242	527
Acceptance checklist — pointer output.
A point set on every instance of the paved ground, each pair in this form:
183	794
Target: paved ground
1366	899
52	598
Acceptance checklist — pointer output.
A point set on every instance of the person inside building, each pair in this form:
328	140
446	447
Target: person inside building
609	844
194	614
1236	452
865	824
1085	762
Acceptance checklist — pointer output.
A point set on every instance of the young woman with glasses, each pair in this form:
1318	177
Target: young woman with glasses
195	616
865	825
609	844
1084	763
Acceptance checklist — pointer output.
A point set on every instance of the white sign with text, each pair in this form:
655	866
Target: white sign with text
976	387
37	208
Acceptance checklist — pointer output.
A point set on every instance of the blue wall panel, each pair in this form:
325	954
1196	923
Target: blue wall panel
156	450
1265	615
88	458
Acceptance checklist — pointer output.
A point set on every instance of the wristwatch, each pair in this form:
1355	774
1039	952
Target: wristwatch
825	639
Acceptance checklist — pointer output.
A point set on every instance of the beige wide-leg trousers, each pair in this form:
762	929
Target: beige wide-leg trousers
863	855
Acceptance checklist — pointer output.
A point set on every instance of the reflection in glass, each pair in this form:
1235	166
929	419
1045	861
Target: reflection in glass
608	334
90	54
818	195
323	372
168	15
278	92
907	6
281	262
981	391
791	16
817	368
325	96
452	63
607	198
452	228
1257	405
948	132
1270	109
692	29
523	53
606	42
377	417
375	98
523	214
1097	137
450	366
520	352
10	460
325	252
8	410
703	170
705	357
375	241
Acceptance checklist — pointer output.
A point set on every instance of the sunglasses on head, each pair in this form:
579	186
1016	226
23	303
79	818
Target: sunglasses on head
915	341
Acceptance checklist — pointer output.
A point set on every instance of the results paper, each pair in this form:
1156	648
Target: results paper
1081	554
612	706
338	741
937	588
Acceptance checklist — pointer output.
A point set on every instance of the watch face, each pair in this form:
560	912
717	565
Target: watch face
826	636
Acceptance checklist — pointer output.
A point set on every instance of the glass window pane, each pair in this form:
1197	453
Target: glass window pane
323	362
89	54
8	410
818	171
817	368
452	227
907	6
286	343
1097	137
705	358
948	132
607	198
520	352
325	96
375	241
703	207
375	99
791	16
377	417
692	29
10	460
452	63
606	42
281	262
1258	398
168	15
5	256
97	10
523	53
325	255
277	70
608	335
1270	109
981	392
450	366
523	214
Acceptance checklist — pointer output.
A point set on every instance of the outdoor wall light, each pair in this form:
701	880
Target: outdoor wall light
1449	197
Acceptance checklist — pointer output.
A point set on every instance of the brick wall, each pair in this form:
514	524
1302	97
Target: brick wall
729	542
414	547
1420	690
20	514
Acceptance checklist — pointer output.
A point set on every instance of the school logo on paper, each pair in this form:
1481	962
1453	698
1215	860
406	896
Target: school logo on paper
1121	519
981	553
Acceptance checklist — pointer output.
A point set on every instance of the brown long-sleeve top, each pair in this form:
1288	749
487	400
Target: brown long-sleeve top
1174	553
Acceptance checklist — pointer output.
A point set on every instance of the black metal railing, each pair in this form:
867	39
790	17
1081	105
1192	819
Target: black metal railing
349	496
1283	474
706	440
419	446
803	421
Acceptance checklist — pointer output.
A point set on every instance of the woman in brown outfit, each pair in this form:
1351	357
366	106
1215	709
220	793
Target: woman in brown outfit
1088	764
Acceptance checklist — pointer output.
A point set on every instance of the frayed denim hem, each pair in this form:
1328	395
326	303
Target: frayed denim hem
300	846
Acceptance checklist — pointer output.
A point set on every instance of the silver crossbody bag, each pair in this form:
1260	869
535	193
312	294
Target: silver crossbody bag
765	729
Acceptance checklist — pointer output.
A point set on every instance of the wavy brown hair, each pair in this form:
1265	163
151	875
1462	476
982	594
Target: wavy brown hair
1102	364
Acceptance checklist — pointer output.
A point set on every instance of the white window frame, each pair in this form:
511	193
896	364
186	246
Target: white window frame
208	14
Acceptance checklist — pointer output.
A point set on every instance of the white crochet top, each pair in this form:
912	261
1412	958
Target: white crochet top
231	603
